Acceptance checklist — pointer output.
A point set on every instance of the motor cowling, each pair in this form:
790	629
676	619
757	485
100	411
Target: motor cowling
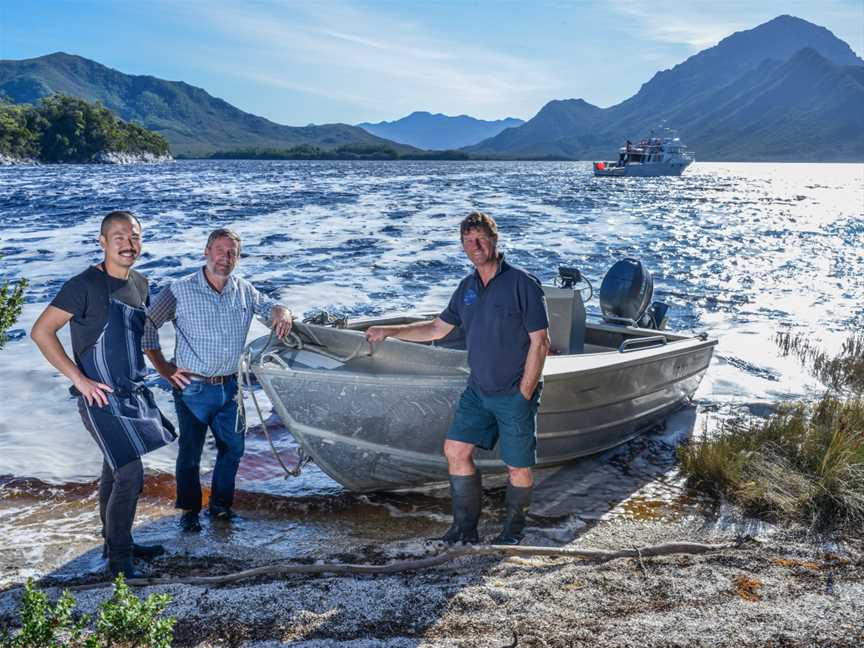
626	291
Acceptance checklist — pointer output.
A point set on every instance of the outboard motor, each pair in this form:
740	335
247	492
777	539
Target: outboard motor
626	291
625	296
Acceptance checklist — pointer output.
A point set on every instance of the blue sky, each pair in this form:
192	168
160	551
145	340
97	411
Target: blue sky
299	62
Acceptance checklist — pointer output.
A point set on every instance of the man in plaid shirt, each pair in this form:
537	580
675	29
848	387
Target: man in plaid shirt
211	311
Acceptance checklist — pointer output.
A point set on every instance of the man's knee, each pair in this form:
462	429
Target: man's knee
128	479
235	451
458	451
521	477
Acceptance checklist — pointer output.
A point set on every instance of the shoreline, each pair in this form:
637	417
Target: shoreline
103	158
787	588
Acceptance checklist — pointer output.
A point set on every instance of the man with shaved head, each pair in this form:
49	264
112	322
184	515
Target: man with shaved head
105	308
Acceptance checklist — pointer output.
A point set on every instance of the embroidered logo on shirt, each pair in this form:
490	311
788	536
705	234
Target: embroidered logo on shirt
470	297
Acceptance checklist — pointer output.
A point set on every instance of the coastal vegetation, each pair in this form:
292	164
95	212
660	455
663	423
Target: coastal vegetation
59	128
346	152
803	464
122	620
11	302
194	122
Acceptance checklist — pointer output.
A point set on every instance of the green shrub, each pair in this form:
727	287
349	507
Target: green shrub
44	625
124	621
11	302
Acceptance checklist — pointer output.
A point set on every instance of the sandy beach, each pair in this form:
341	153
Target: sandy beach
782	588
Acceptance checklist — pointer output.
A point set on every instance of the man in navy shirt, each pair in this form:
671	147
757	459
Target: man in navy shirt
503	314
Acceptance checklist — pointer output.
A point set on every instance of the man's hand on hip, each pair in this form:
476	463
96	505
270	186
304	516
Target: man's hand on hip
95	393
175	375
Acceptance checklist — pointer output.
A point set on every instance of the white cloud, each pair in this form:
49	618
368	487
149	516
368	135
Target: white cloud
363	58
693	25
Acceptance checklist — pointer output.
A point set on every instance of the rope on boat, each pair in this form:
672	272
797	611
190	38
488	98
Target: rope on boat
320	348
244	375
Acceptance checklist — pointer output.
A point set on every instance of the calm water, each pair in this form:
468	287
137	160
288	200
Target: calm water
738	250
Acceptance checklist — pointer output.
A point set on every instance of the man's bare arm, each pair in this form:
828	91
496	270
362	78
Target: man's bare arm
425	331
534	362
44	334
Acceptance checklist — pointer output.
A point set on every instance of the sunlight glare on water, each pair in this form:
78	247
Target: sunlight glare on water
738	250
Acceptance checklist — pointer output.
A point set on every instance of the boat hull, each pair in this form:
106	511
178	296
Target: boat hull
377	430
641	170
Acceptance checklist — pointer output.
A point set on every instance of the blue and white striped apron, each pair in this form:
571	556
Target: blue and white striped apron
130	425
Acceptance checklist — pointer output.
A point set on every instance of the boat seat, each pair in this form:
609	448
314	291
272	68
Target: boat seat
566	320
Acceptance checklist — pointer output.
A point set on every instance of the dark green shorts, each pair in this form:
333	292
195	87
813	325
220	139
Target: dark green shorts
482	420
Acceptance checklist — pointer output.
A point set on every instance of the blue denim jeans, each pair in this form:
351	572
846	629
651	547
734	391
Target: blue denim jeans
200	406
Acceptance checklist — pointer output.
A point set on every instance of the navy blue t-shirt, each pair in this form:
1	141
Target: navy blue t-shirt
497	319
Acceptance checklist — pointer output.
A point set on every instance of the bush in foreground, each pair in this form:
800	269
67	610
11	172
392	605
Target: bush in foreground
123	620
11	302
805	463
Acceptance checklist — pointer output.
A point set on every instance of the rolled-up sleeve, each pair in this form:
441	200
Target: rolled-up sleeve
262	305
161	310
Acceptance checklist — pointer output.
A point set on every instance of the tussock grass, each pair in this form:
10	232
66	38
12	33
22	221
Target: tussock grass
805	463
843	373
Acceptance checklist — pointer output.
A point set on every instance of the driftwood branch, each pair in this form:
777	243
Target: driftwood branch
284	569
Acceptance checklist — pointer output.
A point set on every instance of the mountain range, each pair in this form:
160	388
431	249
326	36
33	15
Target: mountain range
194	122
439	132
785	90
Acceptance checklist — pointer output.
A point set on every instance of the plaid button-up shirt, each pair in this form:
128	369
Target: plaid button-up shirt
211	327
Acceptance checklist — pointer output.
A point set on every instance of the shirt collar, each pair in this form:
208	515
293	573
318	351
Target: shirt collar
230	285
502	267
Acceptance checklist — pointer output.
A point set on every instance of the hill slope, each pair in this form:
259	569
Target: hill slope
439	132
193	121
785	90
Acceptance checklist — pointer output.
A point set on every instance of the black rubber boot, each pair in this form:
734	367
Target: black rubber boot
144	552
516	505
124	567
466	493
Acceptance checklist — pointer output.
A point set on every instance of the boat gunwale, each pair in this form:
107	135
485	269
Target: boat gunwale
612	361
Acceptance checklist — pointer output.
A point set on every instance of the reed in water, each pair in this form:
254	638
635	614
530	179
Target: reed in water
805	463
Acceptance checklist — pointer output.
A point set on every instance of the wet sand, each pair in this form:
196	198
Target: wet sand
784	589
787	589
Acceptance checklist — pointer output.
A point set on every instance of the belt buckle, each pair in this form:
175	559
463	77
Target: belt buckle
216	380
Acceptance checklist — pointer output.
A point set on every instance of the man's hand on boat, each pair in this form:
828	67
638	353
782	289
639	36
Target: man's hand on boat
379	333
282	320
424	331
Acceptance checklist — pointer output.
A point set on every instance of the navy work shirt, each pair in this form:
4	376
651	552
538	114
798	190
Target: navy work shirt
497	319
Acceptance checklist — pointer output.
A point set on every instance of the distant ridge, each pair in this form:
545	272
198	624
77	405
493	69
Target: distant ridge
193	121
439	132
785	90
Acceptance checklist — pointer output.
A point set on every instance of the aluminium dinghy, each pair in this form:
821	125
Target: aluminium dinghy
374	417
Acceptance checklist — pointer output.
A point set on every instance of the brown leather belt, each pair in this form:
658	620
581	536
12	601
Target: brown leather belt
210	380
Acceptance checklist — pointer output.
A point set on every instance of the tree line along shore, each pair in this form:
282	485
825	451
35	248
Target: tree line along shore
64	129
